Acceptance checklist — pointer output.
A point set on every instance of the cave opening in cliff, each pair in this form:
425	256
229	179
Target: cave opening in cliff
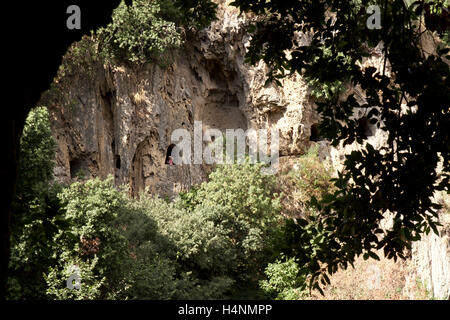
169	153
315	133
75	167
117	162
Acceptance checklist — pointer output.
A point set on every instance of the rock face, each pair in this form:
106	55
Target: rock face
431	258
119	121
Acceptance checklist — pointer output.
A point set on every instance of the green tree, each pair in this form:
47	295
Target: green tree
283	282
92	241
148	248
114	245
138	34
250	207
244	190
150	270
411	104
35	217
195	245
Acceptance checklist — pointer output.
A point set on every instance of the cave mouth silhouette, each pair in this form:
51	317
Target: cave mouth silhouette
117	161
169	153
315	133
75	166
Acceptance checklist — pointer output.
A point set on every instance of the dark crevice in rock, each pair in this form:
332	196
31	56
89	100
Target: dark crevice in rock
365	127
76	167
315	133
117	162
169	153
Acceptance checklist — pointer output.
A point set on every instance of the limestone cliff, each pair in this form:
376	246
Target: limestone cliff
119	121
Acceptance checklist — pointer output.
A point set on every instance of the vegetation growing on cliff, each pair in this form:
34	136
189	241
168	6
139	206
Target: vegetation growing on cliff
137	34
36	217
144	32
147	31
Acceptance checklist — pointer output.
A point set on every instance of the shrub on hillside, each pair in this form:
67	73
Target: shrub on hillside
242	189
92	242
283	281
191	250
252	217
138	34
147	248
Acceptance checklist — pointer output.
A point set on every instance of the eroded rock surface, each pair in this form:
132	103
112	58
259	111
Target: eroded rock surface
120	121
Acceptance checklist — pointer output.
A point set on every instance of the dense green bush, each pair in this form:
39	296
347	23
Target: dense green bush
92	242
253	218
215	248
115	246
144	32
283	281
195	246
90	283
243	190
35	216
138	34
37	148
147	248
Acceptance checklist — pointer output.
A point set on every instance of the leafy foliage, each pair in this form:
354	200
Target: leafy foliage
36	154
326	88
194	248
147	30
90	284
92	241
196	14
137	34
283	281
35	216
252	198
252	218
